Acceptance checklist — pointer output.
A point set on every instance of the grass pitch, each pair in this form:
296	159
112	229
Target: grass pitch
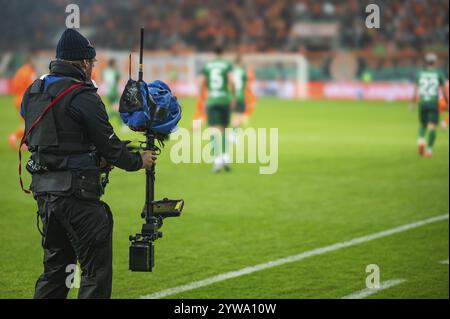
346	169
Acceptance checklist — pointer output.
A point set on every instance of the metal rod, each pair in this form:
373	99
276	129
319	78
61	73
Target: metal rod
149	181
129	66
150	145
141	55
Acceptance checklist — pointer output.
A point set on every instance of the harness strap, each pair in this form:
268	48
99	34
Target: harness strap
24	138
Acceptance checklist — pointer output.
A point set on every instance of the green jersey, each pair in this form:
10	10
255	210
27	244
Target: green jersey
429	82
216	73
240	82
111	77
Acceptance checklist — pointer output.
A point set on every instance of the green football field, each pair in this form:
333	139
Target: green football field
346	170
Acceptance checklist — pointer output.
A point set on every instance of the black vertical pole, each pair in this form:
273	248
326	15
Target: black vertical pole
150	143
129	66
150	181
141	56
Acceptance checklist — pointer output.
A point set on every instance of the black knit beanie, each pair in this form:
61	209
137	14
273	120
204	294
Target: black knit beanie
73	46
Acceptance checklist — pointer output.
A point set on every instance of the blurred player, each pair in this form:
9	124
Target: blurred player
217	81
443	107
200	112
111	77
240	87
429	81
249	100
250	97
23	78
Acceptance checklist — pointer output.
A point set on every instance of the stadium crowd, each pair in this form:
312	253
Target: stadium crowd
252	25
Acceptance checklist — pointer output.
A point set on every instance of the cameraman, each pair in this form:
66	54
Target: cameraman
70	147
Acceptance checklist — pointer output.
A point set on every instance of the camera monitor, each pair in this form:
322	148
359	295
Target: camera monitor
168	207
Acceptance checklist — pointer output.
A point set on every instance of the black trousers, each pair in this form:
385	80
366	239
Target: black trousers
75	230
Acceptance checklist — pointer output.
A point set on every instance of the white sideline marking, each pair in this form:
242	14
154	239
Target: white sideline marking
370	291
289	259
444	262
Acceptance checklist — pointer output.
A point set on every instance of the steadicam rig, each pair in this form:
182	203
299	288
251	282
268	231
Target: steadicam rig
154	111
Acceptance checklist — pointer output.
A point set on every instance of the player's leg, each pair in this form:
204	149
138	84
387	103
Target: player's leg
115	99
238	119
110	106
431	139
214	123
235	123
239	114
423	122
13	141
443	108
433	120
226	117
217	140
15	137
446	121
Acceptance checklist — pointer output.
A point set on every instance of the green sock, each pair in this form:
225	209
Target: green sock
431	138
224	143
215	147
422	131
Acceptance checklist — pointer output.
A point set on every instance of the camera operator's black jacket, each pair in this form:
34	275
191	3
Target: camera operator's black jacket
67	145
74	134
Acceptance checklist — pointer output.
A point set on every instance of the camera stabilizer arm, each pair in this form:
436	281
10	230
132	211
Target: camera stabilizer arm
154	212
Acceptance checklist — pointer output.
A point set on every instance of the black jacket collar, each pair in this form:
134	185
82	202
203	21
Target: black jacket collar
67	69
